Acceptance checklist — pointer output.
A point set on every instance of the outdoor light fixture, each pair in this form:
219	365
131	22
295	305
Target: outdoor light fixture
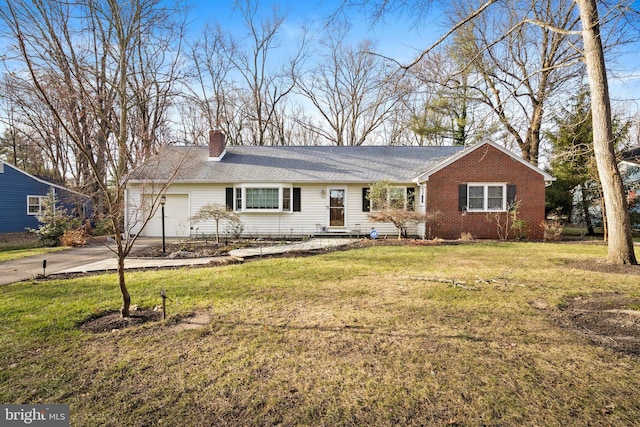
163	200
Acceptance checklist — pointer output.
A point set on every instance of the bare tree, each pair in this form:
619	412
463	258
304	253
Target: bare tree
523	66
89	64
351	90
211	100
267	86
32	137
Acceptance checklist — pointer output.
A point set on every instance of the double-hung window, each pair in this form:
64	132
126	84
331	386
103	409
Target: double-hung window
486	197
34	205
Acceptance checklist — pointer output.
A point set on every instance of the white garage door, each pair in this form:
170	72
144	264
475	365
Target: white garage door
176	218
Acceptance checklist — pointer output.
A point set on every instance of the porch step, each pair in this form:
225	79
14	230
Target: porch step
337	234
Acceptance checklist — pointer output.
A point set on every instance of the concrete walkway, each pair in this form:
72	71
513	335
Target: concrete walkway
309	245
101	258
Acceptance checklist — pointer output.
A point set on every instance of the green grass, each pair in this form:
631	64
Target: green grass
347	338
13	253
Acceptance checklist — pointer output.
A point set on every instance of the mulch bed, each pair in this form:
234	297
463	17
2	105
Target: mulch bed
113	321
609	320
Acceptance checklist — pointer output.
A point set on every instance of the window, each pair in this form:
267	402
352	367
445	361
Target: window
34	205
397	198
264	199
366	203
238	199
484	197
286	199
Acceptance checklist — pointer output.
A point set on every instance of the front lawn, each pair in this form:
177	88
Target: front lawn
7	255
20	245
387	335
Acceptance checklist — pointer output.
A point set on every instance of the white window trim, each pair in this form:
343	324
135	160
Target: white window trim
485	202
40	198
422	195
246	187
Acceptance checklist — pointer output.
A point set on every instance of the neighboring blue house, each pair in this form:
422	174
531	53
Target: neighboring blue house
21	196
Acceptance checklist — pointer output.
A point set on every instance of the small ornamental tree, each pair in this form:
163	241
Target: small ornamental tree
217	213
390	203
54	220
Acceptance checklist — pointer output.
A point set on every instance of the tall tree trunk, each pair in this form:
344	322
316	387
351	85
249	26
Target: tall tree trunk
620	242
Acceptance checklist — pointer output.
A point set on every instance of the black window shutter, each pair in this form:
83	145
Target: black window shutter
296	199
462	197
366	203
411	198
229	198
511	194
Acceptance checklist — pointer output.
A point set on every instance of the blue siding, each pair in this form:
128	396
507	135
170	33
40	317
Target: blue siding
15	186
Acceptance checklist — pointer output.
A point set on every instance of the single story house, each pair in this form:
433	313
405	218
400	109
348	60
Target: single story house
22	197
280	191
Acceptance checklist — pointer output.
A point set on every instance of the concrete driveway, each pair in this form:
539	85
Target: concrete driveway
101	258
29	267
65	261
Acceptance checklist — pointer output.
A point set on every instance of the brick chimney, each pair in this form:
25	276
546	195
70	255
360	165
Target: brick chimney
217	143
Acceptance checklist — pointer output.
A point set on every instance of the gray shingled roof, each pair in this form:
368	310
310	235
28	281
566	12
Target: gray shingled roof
296	164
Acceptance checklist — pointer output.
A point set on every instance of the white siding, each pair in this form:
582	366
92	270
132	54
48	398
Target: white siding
176	217
134	214
314	214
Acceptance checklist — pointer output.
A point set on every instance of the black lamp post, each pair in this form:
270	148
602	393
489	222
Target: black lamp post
163	200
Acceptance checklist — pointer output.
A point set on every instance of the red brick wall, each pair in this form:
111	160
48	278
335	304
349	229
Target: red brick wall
484	165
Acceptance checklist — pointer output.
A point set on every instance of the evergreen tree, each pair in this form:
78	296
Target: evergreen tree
573	161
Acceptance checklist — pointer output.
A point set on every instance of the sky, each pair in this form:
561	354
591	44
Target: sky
398	37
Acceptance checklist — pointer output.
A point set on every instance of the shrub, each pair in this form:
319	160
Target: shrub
552	230
54	221
73	238
103	227
235	227
466	236
509	224
217	213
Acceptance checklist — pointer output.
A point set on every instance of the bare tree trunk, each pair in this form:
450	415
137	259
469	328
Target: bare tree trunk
126	298
620	242
585	210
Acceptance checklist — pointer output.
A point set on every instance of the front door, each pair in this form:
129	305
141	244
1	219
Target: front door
336	207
